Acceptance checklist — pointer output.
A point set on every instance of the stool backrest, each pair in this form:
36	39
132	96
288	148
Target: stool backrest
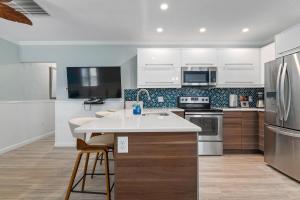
77	122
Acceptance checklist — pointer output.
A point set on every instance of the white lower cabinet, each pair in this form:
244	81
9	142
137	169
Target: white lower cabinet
239	67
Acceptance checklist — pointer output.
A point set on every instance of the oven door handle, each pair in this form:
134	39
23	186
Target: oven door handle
203	114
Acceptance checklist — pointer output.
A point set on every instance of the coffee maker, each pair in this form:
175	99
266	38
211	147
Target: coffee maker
260	100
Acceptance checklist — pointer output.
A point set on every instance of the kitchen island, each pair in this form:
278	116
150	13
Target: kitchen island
161	161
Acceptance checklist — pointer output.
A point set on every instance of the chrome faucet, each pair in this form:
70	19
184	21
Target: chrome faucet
139	92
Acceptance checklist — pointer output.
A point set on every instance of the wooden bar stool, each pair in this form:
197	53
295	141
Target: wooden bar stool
99	156
97	144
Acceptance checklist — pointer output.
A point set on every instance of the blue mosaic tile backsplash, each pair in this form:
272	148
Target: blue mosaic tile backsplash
219	97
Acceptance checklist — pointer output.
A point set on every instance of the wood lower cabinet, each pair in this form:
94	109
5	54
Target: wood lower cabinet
261	134
232	128
249	130
157	166
241	132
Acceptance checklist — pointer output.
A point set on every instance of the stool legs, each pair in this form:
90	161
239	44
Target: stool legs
85	170
95	164
75	169
108	197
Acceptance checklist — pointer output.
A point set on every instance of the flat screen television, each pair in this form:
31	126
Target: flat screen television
94	82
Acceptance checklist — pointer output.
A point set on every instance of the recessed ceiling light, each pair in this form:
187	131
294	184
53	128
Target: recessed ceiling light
245	30
159	30
164	6
202	30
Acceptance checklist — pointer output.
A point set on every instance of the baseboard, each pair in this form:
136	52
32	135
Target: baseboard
25	142
241	151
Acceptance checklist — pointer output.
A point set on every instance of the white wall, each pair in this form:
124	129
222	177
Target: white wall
9	52
81	55
26	112
23	122
66	110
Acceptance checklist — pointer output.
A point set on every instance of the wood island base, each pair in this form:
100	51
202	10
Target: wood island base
158	166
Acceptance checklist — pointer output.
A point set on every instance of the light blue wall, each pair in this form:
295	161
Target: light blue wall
9	52
80	55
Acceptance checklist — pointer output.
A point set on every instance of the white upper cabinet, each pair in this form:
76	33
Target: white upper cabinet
159	56
199	57
159	68
267	54
239	67
288	41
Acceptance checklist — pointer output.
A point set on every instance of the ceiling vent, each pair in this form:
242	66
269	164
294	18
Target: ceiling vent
28	7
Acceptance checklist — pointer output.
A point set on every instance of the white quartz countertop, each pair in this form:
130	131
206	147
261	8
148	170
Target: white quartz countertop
243	109
124	121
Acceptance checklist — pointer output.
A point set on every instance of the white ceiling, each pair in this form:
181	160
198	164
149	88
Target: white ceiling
135	21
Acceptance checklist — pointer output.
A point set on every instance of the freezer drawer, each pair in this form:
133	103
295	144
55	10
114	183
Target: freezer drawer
282	150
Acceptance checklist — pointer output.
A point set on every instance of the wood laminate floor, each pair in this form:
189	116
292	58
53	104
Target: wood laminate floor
41	172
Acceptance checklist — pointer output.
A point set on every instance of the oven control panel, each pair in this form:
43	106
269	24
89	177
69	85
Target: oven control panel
201	100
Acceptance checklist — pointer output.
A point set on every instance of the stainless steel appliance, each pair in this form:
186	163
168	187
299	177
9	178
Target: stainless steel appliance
233	101
260	100
282	117
198	111
199	76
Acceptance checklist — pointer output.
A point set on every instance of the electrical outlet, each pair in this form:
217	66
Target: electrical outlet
122	144
160	99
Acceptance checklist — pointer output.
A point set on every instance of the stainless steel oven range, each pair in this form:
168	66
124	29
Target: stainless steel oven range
198	111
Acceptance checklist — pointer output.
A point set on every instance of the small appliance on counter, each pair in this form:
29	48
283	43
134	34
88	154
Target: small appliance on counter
260	100
244	100
198	111
233	101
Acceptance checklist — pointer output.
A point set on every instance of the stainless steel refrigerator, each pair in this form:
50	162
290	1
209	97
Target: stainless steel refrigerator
282	115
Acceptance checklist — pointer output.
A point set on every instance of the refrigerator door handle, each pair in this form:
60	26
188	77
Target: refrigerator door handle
278	98
289	96
290	133
286	108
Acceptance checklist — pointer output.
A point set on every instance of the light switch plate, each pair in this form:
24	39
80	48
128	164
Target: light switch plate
122	144
160	99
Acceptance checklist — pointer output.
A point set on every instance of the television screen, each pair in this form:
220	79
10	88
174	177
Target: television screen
88	82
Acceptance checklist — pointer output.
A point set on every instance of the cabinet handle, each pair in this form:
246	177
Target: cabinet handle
202	64
159	82
159	64
237	64
241	82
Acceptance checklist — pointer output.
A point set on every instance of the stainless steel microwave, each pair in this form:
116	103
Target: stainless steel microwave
199	76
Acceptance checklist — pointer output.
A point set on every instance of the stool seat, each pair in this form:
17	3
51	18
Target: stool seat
106	139
101	114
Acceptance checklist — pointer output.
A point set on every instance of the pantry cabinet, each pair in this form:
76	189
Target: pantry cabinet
239	67
206	57
159	68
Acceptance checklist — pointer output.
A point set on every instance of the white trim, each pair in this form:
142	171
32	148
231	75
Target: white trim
133	43
25	142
